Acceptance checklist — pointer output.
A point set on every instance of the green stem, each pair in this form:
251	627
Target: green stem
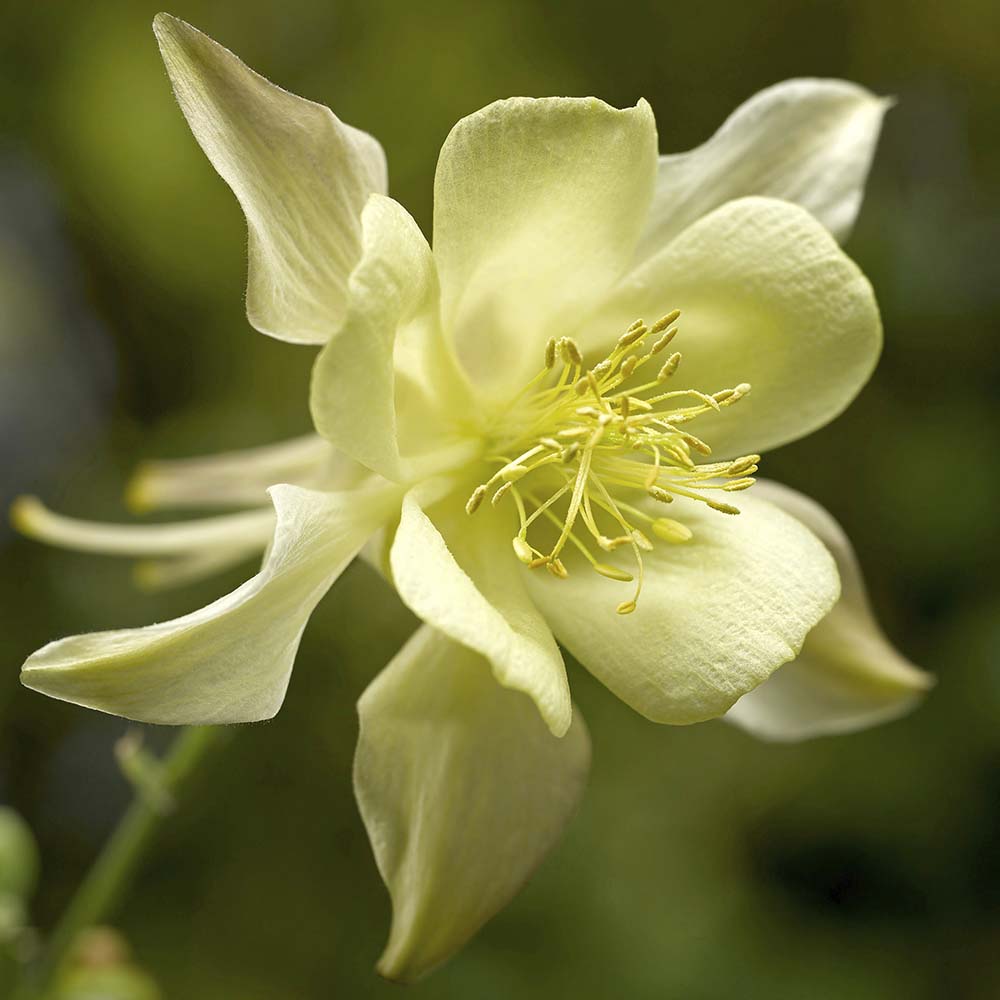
111	873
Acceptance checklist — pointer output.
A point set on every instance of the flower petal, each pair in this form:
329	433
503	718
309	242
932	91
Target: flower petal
463	792
177	553
230	661
848	676
178	571
716	616
806	141
301	175
537	208
250	529
358	381
471	589
767	297
241	478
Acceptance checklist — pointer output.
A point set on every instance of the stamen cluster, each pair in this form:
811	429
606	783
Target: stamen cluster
576	438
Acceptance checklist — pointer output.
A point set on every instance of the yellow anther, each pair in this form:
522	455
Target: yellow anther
635	324
613	573
658	493
523	550
642	541
513	472
669	366
570	351
580	462
633	334
550	352
672	531
663	341
729	396
478	495
501	493
557	569
722	508
664	321
705	398
742	466
696	443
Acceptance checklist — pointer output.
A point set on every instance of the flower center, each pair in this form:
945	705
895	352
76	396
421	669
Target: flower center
576	442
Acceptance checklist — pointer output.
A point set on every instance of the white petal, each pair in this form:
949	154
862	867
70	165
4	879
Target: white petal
356	388
241	478
230	661
471	588
190	550
301	176
178	571
848	675
537	208
806	141
716	616
248	529
768	298
463	791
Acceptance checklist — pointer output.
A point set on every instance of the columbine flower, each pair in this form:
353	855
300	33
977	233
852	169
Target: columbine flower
534	463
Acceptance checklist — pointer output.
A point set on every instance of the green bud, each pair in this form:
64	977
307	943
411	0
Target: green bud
18	856
116	982
13	919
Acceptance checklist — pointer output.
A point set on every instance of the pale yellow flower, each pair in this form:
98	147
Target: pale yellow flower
528	462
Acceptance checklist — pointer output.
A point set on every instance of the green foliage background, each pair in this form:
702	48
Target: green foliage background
702	864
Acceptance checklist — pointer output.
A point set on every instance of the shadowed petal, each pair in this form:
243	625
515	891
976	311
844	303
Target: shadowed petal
767	298
537	208
229	661
301	176
471	588
463	791
806	141
389	359
717	615
848	675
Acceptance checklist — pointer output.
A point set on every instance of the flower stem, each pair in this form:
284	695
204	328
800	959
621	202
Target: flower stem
111	873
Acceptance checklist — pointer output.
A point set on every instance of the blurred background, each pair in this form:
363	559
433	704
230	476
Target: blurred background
702	864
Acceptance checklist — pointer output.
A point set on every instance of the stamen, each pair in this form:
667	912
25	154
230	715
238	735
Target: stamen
478	494
613	573
500	493
571	351
670	367
550	353
620	437
523	550
672	531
